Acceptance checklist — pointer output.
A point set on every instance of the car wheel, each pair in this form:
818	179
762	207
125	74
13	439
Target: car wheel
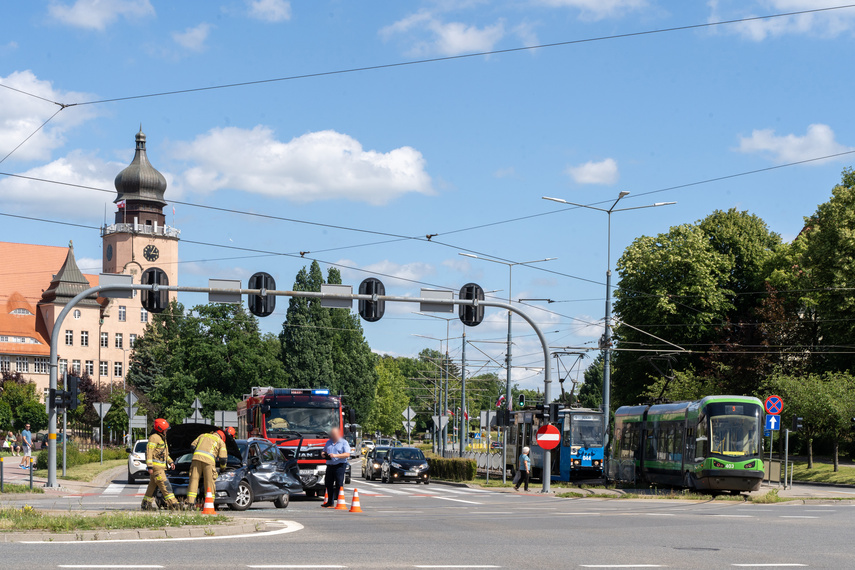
427	481
282	502
347	480
131	478
243	498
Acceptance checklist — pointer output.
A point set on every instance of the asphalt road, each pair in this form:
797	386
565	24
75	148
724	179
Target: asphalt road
440	526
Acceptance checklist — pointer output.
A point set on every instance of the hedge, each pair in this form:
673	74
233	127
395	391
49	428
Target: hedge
455	469
74	456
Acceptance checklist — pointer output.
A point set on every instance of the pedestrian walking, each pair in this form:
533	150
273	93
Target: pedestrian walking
337	452
209	449
157	459
27	444
523	470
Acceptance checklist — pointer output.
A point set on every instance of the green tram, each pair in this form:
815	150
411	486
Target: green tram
713	444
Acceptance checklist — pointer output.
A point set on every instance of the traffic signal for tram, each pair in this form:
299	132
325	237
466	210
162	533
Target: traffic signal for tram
554	408
471	315
73	393
372	311
797	423
154	301
261	305
521	401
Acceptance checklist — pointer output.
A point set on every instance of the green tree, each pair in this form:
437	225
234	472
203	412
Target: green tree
808	397
6	417
390	398
841	399
591	391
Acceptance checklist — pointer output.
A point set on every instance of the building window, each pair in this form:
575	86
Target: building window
22	364
23	312
118	340
132	340
69	338
143	315
84	338
76	314
5	363
63	366
90	368
103	368
41	365
75	366
105	340
122	312
117	369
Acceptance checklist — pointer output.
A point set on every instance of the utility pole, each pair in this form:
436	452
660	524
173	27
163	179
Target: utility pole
463	431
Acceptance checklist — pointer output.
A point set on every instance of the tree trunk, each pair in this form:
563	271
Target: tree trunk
836	461
810	453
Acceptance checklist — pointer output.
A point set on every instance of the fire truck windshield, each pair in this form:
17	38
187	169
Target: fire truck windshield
281	422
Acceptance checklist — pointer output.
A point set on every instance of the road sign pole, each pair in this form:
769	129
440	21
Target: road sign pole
64	420
786	455
771	447
101	439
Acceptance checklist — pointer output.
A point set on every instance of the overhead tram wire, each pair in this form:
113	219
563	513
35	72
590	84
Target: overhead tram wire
450	57
32	134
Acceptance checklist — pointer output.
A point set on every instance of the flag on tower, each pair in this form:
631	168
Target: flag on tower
500	401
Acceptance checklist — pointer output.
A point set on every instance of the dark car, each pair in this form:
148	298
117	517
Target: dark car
496	445
256	470
373	462
405	464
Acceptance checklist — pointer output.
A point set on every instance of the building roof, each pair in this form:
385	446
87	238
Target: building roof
68	283
140	181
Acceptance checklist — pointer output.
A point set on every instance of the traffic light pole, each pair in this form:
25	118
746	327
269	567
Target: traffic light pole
64	421
117	287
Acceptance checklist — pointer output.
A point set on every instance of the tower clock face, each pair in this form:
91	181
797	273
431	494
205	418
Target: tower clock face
151	253
110	252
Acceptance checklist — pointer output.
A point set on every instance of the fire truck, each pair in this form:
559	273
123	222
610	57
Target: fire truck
299	421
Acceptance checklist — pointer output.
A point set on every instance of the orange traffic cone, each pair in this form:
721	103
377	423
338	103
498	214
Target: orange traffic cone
354	507
209	504
326	497
341	505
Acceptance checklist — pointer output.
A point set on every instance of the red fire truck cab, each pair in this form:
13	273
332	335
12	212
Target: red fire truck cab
294	418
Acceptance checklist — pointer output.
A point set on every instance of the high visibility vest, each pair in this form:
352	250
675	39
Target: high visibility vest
157	452
208	448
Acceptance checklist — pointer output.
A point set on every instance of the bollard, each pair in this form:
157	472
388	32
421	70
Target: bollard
31	473
1	473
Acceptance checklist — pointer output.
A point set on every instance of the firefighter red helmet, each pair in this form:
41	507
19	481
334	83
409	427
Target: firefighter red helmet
161	425
231	431
221	434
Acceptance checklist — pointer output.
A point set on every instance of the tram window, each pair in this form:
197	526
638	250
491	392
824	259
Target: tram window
678	443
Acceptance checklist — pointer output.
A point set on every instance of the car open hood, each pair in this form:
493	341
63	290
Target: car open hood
180	440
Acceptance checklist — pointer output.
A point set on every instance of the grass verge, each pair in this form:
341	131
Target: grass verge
16	488
85	472
28	518
770	497
824	473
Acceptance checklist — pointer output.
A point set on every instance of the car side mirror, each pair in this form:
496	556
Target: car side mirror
255	461
127	449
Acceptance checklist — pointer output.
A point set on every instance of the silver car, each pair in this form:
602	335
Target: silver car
136	461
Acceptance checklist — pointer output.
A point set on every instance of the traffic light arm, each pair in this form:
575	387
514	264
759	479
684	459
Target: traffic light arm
58	324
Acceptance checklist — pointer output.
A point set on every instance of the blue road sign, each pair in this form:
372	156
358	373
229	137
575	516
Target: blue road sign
767	432
774	405
773	423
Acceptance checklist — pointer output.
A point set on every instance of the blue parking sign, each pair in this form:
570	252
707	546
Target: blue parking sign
773	423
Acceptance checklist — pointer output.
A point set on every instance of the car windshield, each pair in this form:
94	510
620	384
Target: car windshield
314	421
734	429
140	447
242	448
587	432
408	454
380	453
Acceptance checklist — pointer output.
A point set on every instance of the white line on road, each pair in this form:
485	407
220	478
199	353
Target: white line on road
458	500
289	526
113	489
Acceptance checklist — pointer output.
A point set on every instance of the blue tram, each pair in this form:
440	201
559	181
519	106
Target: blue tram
580	453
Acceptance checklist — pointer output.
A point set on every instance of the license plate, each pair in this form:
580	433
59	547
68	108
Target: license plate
412	473
307	471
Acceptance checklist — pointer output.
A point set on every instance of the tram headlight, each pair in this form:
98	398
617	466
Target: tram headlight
718	464
596	463
750	465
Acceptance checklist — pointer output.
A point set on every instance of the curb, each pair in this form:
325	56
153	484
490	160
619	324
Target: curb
136	534
820	484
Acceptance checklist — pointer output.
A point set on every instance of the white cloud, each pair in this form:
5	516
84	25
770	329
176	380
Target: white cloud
828	24
445	38
413	271
270	10
324	165
21	115
818	141
193	38
98	14
89	265
597	9
603	172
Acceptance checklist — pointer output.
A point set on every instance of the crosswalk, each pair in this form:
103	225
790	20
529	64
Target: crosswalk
438	492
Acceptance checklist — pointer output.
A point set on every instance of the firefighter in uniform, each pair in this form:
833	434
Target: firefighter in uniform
156	459
209	449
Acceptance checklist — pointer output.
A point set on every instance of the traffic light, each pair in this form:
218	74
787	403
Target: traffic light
503	417
797	423
554	408
522	400
73	393
470	315
154	302
372	311
261	305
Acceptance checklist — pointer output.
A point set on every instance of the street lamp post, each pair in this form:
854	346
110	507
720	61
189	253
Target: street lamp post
508	401
607	334
437	433
445	371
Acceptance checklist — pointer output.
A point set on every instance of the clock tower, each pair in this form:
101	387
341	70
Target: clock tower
139	238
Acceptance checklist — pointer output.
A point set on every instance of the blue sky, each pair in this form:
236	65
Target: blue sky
424	149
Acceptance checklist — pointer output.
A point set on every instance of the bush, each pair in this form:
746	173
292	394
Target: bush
74	456
452	469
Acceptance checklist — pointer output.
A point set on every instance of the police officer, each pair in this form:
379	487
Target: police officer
209	449
156	459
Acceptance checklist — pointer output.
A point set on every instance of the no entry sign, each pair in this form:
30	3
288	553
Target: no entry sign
548	437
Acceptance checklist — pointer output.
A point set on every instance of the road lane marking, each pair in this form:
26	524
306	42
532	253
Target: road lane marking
458	501
113	489
797	517
288	527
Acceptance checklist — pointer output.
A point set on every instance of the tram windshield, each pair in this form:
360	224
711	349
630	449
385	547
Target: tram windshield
734	429
587	431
